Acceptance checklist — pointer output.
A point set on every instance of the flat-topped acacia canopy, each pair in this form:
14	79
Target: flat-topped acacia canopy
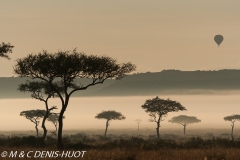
71	64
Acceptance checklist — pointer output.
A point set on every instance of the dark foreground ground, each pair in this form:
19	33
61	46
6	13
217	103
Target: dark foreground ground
216	153
123	147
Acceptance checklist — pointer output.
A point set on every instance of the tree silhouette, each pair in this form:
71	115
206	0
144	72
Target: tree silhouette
5	48
109	115
138	121
53	117
158	108
184	121
34	116
233	118
40	91
64	67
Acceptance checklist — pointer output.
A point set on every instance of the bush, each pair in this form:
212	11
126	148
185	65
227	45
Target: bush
103	142
26	141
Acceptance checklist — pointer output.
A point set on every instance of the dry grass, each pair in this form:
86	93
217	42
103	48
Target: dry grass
131	148
139	154
165	154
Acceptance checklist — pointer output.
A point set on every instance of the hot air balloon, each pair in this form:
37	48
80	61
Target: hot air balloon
218	39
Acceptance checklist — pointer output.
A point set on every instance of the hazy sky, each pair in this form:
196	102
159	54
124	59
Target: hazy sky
154	35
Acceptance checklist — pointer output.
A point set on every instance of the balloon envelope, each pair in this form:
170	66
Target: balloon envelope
218	39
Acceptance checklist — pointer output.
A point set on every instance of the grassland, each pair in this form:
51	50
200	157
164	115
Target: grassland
140	154
121	145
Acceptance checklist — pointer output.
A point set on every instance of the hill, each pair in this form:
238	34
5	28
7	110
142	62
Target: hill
164	82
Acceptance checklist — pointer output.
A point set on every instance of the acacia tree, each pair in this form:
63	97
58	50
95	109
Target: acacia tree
63	67
138	121
40	90
158	108
233	118
5	48
34	116
109	115
53	117
184	121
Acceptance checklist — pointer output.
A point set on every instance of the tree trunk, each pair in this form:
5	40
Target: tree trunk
36	129
44	120
232	131
60	127
44	127
106	128
184	129
157	129
60	122
55	124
